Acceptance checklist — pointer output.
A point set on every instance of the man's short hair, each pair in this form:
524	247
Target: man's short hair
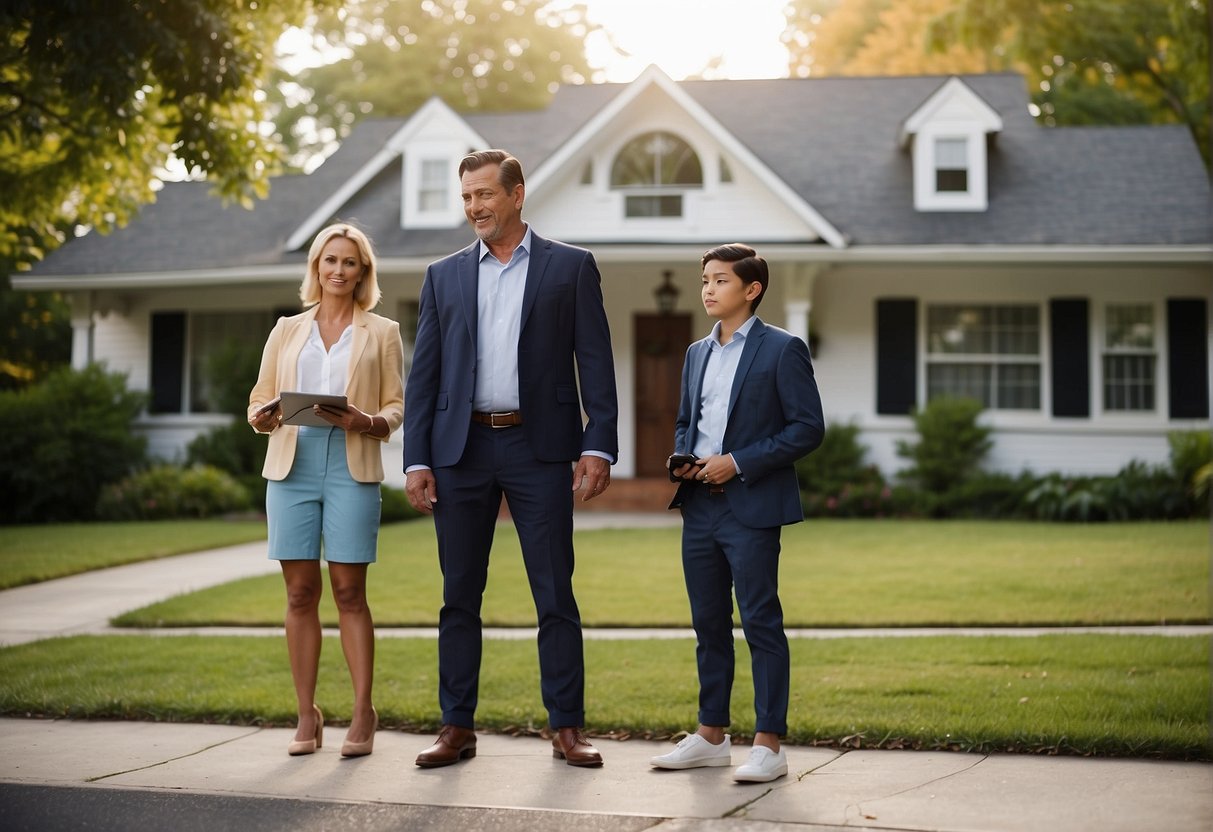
510	173
746	264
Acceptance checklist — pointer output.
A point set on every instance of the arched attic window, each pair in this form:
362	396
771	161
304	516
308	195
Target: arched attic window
653	171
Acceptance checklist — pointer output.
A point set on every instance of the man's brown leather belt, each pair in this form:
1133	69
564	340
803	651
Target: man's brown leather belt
501	419
714	489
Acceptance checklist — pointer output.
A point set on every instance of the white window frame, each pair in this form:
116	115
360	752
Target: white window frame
1104	349
926	197
1040	358
682	191
416	158
192	358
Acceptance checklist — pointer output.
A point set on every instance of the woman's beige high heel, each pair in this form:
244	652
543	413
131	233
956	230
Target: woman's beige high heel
298	747
361	749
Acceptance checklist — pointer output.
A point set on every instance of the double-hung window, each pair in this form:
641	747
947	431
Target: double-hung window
197	355
1129	358
991	353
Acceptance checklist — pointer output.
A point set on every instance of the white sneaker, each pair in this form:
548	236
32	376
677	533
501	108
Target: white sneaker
763	766
694	752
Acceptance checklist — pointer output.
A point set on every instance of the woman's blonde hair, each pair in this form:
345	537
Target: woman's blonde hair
366	293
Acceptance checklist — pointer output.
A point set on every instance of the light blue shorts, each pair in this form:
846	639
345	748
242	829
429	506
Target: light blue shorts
319	502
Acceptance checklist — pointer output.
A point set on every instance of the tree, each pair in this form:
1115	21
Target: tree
1086	61
1102	61
96	95
878	37
486	55
37	335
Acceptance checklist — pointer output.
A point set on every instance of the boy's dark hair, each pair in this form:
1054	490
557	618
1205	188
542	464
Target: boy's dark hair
746	264
510	173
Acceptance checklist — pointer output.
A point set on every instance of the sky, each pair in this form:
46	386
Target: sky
682	36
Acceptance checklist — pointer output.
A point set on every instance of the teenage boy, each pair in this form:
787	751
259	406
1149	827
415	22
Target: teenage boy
749	409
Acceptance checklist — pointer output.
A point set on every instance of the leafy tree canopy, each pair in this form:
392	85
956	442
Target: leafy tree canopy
1086	61
486	55
877	37
97	94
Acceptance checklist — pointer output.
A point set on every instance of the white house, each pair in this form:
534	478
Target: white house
925	234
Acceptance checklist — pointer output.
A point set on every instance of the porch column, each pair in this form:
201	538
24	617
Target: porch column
798	301
82	329
796	313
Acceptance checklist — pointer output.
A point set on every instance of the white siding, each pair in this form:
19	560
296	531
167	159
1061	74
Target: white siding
744	209
844	318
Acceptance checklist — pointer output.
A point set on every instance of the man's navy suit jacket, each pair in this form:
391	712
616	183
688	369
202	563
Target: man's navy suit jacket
774	419
564	338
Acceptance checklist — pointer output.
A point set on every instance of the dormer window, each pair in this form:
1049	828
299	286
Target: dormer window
947	137
653	171
952	165
431	188
434	185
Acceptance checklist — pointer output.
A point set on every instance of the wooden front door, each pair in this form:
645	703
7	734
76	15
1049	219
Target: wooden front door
660	344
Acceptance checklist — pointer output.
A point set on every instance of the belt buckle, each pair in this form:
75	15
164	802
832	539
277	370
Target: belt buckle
493	420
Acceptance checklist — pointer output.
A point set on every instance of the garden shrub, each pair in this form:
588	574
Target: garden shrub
169	491
235	448
64	439
836	482
951	444
872	499
1192	462
987	495
395	506
1136	492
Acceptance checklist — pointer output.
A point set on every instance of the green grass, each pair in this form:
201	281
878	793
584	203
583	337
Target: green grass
29	554
842	573
1075	694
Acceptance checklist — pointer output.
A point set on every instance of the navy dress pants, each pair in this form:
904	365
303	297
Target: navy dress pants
718	555
498	461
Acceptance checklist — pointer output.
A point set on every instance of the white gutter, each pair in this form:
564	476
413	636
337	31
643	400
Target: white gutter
654	253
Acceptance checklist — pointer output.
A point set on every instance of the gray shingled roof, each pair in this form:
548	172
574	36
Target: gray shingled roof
833	140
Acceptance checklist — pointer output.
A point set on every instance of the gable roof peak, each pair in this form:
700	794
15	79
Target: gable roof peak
953	94
434	109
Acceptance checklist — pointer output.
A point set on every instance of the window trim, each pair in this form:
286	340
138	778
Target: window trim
926	196
655	190
1102	349
1040	358
179	371
411	213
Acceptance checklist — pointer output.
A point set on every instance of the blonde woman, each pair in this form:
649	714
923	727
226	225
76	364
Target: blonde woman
322	493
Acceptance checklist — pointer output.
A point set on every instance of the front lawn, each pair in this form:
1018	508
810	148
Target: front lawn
1070	694
29	554
836	573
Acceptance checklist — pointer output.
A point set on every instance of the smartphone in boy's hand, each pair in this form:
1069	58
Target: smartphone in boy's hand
676	461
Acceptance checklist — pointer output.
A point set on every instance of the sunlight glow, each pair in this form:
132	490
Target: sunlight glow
684	37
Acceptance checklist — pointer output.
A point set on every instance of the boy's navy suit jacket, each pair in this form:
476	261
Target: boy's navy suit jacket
774	419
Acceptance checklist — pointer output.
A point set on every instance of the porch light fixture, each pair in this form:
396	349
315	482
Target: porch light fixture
666	294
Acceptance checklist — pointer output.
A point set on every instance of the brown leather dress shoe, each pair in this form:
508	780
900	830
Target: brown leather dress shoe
570	745
454	744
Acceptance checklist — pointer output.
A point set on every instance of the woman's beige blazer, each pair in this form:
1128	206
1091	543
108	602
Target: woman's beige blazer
374	386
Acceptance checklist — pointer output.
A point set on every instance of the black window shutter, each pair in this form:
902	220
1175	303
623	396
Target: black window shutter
896	355
1069	338
1188	357
168	362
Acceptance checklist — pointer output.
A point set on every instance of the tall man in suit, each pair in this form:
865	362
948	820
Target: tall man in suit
749	409
512	343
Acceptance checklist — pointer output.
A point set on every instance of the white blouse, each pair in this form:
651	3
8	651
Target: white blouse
321	370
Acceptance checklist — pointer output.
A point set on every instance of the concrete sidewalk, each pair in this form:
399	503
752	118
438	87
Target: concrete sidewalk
58	775
135	776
